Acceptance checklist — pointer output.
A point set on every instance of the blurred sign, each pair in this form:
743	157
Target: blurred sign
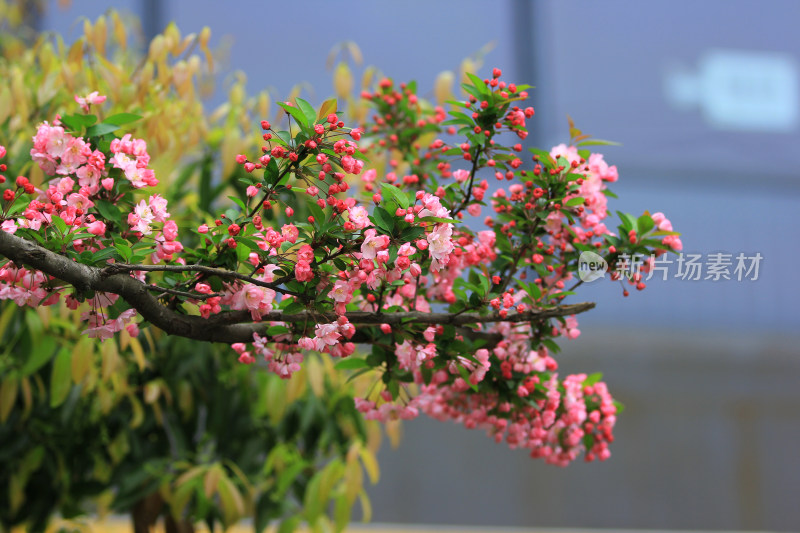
734	90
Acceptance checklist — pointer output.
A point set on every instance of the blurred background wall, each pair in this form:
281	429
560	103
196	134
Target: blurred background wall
705	99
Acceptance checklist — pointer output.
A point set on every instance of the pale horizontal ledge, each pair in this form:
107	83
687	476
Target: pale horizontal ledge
231	326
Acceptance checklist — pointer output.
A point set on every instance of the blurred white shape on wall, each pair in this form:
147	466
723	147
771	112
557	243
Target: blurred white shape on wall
738	90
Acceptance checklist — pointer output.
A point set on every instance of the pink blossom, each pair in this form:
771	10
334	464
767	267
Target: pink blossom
359	217
170	230
661	222
158	206
90	99
432	207
373	243
340	292
290	233
326	335
440	245
96	228
474	209
460	175
305	253
570	153
140	176
257	300
302	271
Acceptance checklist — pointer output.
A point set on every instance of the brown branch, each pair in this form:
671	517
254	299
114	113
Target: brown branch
231	326
413	317
116	268
468	194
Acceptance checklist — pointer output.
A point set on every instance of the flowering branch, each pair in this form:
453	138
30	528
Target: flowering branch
227	327
337	271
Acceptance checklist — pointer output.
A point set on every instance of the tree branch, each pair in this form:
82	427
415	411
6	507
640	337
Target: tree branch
230	326
211	271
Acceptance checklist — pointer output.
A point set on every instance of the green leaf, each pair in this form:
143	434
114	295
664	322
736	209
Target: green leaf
316	211
534	291
60	378
307	109
465	374
399	196
472	90
478	83
645	223
101	129
294	308
277	330
578	200
629	222
610	194
283	138
412	233
591	379
298	115
59	223
381	218
40	354
598	142
272	172
484	281
108	210
122	118
342	511
21	202
351	363
238	202
439	220
289	525
242	252
75	123
544	157
104	254
124	251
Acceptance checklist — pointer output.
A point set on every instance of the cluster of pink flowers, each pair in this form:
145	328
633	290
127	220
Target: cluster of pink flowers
24	287
283	356
101	326
283	359
551	424
80	177
248	297
130	155
328	338
386	409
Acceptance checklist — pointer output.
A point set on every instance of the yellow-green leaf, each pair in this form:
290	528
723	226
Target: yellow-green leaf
366	506
312	501
8	395
328	107
231	499
211	480
60	378
82	356
370	465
